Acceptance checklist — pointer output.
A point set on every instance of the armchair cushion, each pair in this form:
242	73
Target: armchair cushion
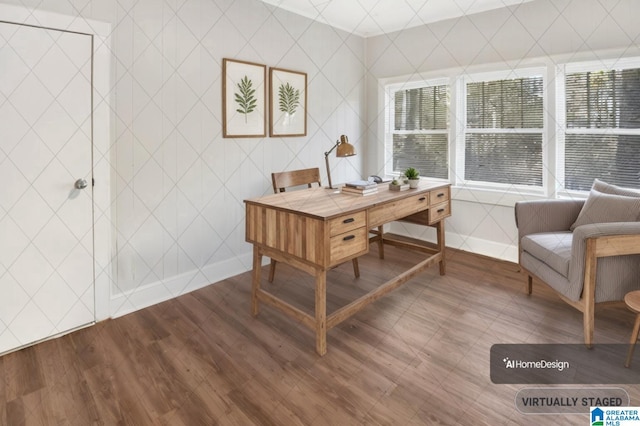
604	208
551	248
607	188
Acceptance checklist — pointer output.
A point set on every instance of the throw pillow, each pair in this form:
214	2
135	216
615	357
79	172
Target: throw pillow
608	188
604	208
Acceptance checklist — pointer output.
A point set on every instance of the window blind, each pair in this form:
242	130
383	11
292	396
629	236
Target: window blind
503	134
424	108
420	130
505	104
603	99
602	135
426	153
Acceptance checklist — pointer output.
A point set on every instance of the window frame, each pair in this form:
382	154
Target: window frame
561	114
389	120
552	69
462	130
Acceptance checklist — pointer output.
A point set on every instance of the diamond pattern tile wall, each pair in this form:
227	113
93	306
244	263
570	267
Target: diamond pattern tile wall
178	185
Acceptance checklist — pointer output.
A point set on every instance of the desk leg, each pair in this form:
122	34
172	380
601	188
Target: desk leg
441	245
255	280
321	312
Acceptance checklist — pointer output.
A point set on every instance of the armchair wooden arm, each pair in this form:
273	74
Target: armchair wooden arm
600	247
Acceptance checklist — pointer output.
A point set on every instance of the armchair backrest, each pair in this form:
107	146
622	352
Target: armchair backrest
546	215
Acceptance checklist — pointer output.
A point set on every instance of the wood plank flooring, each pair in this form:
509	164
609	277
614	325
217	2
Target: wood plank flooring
419	356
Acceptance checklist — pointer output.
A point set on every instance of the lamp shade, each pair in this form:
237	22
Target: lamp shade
345	149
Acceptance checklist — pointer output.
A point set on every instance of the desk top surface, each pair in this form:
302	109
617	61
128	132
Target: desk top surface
324	203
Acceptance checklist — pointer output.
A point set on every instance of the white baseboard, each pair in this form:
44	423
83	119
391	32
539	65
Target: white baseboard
472	244
484	247
151	294
160	291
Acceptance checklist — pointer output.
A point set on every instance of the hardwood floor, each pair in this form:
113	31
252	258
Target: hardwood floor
419	356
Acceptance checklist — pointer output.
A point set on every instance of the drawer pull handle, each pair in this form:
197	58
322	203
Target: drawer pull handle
440	210
349	237
440	195
422	198
348	220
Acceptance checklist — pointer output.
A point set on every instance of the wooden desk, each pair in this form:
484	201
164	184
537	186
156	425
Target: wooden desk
316	229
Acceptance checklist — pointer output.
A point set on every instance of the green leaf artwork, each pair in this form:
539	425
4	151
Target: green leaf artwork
246	98
289	98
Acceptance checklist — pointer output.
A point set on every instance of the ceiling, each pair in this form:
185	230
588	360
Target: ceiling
374	17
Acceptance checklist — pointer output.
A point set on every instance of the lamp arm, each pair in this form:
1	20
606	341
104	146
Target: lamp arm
326	154
326	160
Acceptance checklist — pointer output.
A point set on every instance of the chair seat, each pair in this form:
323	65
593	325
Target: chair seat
551	248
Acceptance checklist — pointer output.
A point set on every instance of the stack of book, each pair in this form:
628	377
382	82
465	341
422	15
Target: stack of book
360	187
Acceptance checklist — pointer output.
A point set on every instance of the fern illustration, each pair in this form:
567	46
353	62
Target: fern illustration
289	98
246	98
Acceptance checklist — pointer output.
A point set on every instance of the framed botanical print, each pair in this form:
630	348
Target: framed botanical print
287	103
244	94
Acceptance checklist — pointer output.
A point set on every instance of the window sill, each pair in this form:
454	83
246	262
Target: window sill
506	198
496	197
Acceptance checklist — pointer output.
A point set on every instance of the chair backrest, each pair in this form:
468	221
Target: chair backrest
283	180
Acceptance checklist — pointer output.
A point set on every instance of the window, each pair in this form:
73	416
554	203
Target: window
494	134
503	131
602	126
419	128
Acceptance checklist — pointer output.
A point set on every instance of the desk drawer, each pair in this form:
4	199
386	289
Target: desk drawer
398	209
346	223
348	244
439	212
439	195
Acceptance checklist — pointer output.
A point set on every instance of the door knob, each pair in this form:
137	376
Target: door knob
80	184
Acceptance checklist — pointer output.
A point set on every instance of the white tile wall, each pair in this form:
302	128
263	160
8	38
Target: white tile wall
178	186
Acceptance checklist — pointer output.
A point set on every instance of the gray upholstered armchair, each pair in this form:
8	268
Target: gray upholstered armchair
586	250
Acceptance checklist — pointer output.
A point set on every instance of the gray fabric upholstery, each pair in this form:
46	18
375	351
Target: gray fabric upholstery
537	223
607	188
546	215
551	248
601	208
544	272
615	275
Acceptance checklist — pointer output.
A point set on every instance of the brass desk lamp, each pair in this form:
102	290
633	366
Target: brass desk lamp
345	149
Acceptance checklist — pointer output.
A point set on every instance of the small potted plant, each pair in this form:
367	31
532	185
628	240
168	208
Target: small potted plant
398	184
414	177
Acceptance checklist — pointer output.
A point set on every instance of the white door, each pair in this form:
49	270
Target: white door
46	231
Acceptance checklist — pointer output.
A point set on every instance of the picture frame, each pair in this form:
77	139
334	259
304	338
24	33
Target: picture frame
244	99
287	103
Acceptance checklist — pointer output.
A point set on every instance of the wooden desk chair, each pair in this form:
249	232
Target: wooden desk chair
283	180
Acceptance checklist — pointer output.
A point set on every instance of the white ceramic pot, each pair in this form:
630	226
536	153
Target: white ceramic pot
413	183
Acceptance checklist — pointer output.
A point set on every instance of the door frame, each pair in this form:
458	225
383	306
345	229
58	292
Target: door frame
100	33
